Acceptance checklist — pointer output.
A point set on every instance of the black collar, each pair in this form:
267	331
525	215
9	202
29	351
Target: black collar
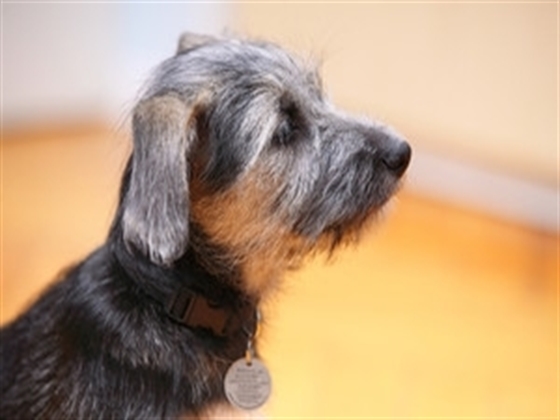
190	295
196	311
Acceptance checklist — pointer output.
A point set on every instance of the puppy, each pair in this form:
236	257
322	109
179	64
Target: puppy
240	168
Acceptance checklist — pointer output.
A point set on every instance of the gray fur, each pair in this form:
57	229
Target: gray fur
240	167
331	167
155	219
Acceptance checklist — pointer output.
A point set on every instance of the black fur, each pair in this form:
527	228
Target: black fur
99	344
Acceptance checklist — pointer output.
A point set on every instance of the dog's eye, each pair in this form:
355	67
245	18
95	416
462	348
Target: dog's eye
284	134
289	128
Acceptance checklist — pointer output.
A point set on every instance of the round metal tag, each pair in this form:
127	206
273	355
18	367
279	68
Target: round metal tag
247	384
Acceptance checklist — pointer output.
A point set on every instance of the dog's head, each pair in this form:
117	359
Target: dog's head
237	138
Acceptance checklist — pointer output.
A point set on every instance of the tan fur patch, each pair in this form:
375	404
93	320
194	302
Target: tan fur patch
243	220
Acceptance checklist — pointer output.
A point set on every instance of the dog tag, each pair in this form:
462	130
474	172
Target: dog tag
247	384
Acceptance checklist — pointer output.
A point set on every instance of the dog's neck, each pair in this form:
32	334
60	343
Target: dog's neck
189	293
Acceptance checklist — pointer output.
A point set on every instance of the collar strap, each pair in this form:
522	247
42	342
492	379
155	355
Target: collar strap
196	311
225	316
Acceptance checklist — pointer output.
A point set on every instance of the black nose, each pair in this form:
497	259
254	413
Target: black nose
397	157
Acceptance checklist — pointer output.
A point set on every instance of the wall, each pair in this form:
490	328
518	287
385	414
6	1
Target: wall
67	61
476	81
473	86
54	60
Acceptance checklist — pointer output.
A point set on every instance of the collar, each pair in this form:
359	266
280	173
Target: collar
189	295
196	311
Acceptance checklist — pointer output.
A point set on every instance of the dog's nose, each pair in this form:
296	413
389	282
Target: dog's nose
397	157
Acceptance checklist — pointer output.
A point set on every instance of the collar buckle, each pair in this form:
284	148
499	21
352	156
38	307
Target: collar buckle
196	311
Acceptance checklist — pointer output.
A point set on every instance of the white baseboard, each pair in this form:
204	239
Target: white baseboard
511	198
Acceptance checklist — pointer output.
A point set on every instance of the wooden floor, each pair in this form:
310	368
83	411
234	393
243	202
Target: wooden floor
440	312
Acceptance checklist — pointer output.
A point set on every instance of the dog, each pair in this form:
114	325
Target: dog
241	168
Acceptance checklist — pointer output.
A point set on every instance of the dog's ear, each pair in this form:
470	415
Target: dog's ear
156	206
189	40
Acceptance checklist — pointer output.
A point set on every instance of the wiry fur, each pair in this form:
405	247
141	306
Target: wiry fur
240	168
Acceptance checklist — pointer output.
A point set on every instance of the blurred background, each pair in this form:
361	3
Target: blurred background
449	308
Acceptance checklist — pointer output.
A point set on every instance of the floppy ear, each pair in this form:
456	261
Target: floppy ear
156	206
189	40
